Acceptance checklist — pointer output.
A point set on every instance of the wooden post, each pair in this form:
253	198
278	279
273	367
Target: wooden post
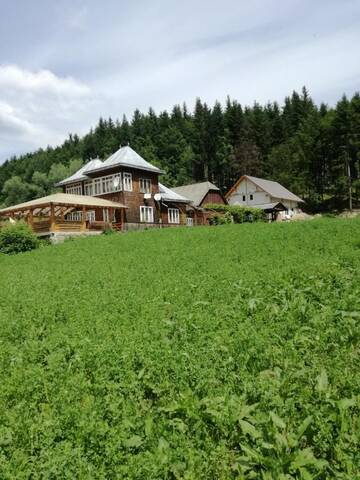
52	218
83	225
31	218
122	218
62	214
111	216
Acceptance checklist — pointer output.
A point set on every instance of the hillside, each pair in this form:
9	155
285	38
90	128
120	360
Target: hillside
227	352
310	149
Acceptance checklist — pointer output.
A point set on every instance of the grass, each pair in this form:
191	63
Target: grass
218	353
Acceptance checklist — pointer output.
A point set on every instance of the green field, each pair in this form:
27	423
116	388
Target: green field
209	353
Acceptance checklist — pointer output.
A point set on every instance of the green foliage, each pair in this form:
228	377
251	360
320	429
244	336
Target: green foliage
235	214
201	353
16	238
301	145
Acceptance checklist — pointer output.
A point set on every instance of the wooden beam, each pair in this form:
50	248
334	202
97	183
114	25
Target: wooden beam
122	218
52	218
83	223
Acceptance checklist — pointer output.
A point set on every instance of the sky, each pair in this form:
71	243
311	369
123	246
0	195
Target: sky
65	63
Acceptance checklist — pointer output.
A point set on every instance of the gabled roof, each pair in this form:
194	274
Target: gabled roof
196	191
127	157
64	199
81	173
272	188
169	195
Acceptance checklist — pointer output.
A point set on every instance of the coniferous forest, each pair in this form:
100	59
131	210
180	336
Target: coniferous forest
313	150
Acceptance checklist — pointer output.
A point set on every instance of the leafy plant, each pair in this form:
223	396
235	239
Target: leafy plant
16	238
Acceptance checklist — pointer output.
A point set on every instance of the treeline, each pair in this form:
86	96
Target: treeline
312	150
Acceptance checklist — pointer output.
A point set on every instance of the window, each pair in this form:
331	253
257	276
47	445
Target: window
97	186
244	198
74	189
88	188
90	215
146	214
145	185
127	180
74	217
189	221
174	215
117	182
105	215
251	196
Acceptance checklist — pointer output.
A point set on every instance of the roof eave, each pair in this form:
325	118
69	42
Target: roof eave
127	165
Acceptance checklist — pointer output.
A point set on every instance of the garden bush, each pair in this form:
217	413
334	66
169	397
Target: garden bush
16	238
236	214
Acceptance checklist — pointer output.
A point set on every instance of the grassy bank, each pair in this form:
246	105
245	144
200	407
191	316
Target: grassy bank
228	352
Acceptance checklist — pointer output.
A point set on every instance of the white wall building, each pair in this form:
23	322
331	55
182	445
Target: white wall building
264	194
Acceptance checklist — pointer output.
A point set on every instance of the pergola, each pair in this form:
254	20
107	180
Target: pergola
48	214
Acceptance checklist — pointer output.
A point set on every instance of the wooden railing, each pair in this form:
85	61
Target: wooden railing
67	226
41	226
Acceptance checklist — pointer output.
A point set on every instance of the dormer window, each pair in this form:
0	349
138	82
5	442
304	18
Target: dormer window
127	181
145	185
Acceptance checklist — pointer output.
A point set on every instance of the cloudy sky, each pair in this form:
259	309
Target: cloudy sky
65	63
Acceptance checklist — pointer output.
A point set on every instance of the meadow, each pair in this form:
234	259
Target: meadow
229	352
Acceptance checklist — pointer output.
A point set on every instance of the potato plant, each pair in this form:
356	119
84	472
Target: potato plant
186	353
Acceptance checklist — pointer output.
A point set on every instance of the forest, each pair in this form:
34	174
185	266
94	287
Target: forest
313	150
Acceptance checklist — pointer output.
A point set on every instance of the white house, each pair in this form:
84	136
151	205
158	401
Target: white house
273	198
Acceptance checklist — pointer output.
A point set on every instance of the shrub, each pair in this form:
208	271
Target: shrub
237	213
16	238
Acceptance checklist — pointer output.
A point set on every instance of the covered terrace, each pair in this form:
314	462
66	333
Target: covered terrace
66	213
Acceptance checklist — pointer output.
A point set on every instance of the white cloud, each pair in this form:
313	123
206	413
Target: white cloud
14	78
40	108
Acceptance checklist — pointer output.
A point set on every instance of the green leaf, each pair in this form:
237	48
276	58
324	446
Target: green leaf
249	429
133	442
322	382
277	421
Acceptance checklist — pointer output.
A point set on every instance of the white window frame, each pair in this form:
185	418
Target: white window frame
127	182
118	188
189	221
88	188
174	215
74	189
106	215
90	215
146	214
74	216
145	185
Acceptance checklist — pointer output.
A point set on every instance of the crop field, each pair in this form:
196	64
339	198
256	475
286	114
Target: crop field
229	352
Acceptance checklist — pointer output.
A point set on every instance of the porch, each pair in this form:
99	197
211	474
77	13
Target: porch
65	214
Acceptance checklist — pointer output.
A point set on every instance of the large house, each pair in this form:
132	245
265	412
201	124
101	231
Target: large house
276	200
127	178
122	192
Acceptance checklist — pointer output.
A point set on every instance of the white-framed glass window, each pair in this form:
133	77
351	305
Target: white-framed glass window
116	182
127	181
173	215
74	189
74	217
105	215
189	221
146	214
97	186
90	215
88	187
145	185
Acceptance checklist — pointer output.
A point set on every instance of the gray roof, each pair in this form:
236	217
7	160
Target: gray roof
274	189
269	206
196	191
170	196
81	173
127	157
